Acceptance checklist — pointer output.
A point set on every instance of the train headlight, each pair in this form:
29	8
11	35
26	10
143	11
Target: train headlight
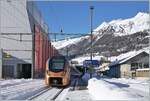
63	74
48	73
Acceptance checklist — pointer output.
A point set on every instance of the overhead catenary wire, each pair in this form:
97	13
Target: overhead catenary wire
58	33
21	39
57	20
71	35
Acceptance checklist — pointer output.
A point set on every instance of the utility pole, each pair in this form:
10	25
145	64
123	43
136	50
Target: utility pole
1	52
61	31
91	27
55	37
33	53
67	49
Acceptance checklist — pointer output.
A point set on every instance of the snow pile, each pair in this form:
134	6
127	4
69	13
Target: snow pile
107	90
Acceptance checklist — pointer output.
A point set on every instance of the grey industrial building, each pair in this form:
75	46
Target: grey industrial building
17	20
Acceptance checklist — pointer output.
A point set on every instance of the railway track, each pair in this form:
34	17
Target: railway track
47	94
57	94
38	94
52	93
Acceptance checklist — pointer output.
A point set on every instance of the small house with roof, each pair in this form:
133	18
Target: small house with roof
131	65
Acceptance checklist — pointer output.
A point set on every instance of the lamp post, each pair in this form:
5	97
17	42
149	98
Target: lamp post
1	53
55	37
67	49
33	53
91	28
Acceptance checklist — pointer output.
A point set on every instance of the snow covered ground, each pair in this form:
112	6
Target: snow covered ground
104	88
20	89
118	89
99	88
77	95
80	92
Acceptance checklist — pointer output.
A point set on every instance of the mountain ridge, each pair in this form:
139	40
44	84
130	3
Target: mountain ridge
118	29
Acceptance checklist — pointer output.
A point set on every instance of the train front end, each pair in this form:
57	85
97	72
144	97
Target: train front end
57	71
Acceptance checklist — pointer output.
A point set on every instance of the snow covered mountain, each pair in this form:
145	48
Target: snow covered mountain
128	26
114	37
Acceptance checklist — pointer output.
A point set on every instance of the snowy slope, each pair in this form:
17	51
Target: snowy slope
127	26
119	27
66	42
111	38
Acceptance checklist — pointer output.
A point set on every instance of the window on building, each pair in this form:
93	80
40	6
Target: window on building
146	65
134	66
140	65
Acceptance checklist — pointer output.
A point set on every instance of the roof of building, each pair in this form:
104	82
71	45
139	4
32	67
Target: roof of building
122	60
117	62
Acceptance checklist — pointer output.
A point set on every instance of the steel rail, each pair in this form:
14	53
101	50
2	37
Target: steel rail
38	94
57	94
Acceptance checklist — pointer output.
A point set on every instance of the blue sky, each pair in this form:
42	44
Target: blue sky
74	17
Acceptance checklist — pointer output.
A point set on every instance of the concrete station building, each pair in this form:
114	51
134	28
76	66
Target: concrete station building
18	19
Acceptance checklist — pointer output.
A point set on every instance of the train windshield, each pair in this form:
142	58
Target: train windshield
57	64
